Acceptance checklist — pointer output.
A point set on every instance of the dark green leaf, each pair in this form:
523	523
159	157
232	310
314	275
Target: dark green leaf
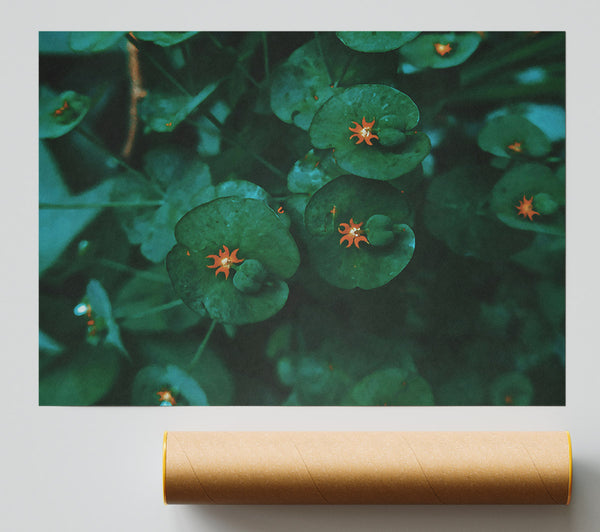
513	136
312	172
244	224
456	212
164	38
84	378
60	113
376	41
511	389
523	183
392	387
94	41
153	379
391	110
422	52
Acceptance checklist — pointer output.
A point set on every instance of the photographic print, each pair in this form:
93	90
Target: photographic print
302	218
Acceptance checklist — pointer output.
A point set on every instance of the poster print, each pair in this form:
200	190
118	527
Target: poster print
264	218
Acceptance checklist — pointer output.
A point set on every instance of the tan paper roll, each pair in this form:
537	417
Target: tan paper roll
367	468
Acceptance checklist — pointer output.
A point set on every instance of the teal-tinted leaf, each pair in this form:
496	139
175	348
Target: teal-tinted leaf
105	330
358	199
464	389
54	42
391	110
58	227
144	305
317	384
61	113
519	186
376	41
511	389
94	41
392	387
49	345
513	136
422	52
551	119
164	38
241	189
303	83
238	223
153	379
83	378
312	172
456	212
164	112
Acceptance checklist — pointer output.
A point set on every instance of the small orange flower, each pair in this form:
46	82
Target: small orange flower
442	49
224	261
363	133
280	210
353	234
165	395
525	208
515	146
62	109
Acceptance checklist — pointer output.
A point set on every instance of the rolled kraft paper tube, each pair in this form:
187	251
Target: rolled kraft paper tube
367	467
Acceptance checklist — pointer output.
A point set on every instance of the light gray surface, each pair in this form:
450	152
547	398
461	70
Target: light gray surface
99	469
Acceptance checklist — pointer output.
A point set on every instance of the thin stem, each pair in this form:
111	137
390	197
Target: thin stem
113	204
238	63
154	310
346	66
266	54
159	67
203	344
137	93
128	269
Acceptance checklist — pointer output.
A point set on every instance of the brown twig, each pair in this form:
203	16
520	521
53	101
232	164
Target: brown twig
137	93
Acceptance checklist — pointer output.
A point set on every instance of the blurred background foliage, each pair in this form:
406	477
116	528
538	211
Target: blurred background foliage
456	298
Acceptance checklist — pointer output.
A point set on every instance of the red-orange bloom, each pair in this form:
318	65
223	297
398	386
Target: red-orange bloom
363	133
165	395
525	208
353	234
224	261
515	146
442	49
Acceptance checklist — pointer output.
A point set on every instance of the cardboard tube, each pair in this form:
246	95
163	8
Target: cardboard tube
367	467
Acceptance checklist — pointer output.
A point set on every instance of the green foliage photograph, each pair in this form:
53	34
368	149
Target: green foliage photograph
366	218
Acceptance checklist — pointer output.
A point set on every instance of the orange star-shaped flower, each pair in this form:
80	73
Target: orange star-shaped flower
353	234
442	49
525	208
224	261
515	146
165	395
364	132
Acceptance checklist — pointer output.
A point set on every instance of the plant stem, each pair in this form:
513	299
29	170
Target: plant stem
140	273
137	93
346	66
203	344
158	66
114	204
153	310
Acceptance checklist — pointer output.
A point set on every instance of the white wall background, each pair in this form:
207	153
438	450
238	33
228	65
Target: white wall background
99	469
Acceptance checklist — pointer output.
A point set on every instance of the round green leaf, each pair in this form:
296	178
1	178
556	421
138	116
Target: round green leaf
375	41
456	212
513	136
153	379
392	387
421	52
525	182
61	113
302	83
93	41
511	389
358	199
83	377
391	110
254	229
164	38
